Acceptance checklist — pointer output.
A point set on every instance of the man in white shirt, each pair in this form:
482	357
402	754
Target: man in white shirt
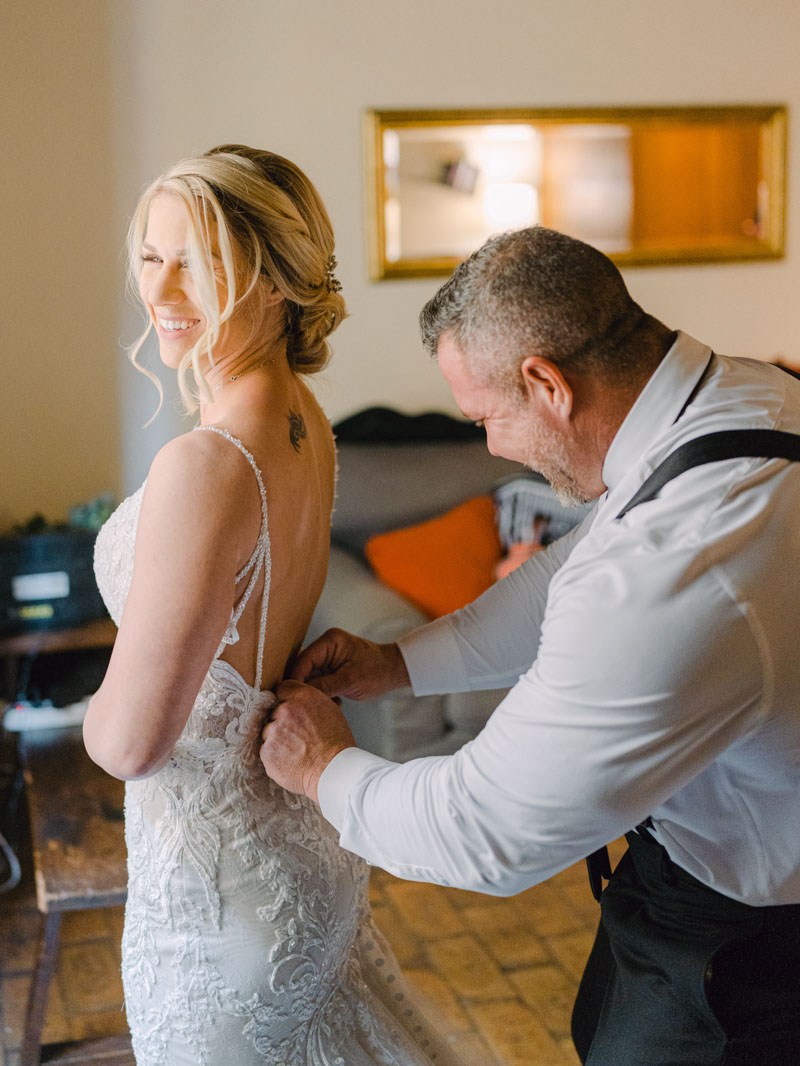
653	658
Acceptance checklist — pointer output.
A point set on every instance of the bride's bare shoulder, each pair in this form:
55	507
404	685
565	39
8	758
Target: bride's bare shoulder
202	466
198	450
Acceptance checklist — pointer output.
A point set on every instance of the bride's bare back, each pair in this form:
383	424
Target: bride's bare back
292	444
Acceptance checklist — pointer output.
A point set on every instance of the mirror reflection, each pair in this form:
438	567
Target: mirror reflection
643	185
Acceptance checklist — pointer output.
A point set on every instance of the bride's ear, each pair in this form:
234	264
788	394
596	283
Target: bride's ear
546	387
270	293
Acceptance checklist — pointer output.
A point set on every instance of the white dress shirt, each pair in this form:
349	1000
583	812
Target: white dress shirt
665	676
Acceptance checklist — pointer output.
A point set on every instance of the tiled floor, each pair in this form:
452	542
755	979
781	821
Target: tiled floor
499	975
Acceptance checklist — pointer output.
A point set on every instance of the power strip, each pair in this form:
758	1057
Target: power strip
22	717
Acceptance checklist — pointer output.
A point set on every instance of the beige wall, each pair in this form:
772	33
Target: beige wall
296	77
58	379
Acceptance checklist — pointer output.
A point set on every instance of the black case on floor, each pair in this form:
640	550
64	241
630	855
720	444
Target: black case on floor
47	581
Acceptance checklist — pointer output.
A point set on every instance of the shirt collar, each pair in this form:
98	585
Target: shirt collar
656	407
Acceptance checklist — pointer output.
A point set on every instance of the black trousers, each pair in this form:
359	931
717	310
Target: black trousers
680	975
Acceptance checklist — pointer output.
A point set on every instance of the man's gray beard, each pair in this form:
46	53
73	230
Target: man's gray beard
546	455
567	492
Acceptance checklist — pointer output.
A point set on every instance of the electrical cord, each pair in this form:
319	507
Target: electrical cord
10	787
15	873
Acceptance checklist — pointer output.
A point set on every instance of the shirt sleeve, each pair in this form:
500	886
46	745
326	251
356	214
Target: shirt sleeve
490	642
626	703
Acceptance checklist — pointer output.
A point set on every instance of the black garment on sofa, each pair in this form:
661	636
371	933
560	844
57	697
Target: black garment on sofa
383	425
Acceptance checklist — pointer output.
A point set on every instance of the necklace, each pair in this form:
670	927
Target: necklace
247	370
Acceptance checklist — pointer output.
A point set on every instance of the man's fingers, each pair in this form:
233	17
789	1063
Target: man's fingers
331	685
270	718
284	690
305	665
319	658
307	730
340	664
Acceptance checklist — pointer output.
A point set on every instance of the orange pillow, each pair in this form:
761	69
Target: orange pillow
442	564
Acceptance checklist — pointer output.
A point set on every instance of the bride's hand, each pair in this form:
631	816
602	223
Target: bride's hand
304	732
341	664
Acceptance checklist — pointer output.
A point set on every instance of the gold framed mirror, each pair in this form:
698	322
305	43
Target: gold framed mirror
646	185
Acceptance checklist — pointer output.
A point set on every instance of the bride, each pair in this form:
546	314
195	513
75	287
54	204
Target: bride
248	937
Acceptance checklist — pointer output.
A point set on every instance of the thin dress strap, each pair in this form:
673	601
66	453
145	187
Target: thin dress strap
259	562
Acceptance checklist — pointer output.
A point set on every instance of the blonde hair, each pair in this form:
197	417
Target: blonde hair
271	228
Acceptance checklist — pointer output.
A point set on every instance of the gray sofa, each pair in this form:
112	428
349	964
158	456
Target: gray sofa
394	471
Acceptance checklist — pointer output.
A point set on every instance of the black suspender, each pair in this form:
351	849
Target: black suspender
710	448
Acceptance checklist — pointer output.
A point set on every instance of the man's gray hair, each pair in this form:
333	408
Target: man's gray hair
538	292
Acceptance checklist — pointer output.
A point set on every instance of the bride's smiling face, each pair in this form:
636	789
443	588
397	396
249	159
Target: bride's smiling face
169	289
166	285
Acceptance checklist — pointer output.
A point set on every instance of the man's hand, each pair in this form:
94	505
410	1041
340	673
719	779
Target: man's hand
341	664
305	732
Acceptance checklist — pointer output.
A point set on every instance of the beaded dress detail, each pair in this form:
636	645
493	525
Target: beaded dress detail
248	937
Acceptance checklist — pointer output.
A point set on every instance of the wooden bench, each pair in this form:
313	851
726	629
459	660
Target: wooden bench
76	816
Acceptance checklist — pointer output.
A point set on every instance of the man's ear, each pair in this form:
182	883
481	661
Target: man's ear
545	384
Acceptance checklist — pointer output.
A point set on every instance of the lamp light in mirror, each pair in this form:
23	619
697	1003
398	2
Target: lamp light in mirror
645	185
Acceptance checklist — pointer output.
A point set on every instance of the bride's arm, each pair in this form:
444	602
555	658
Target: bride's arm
199	518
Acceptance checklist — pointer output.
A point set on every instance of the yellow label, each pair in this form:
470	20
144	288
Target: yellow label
37	610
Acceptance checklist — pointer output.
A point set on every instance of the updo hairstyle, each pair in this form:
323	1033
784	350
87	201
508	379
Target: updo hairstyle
271	228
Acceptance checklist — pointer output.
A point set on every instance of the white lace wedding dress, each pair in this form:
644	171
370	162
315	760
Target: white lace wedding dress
248	937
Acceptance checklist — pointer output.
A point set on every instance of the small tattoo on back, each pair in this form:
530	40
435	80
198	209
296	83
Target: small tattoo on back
297	429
